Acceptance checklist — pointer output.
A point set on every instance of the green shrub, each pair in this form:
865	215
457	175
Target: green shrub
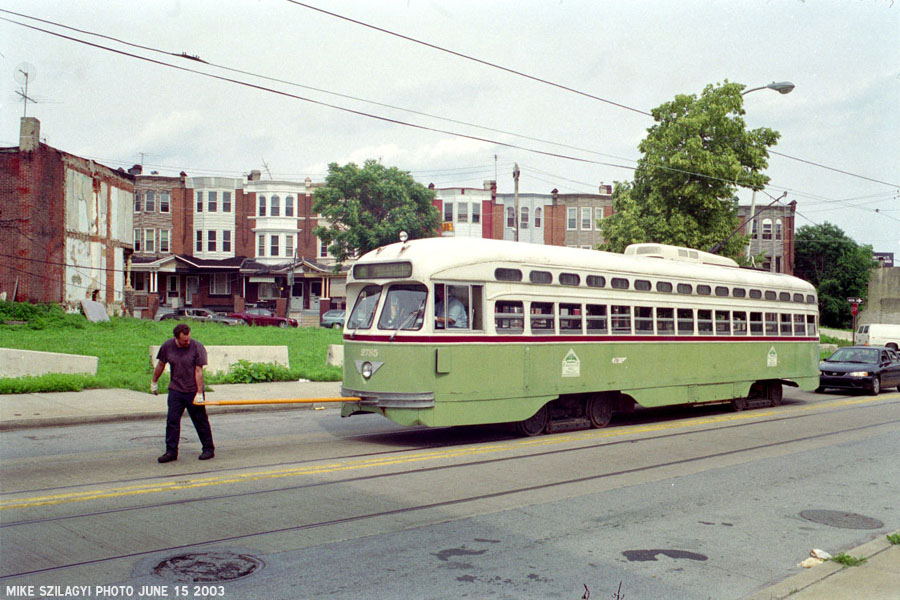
244	371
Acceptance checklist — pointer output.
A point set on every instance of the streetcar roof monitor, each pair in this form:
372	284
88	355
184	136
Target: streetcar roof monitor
678	253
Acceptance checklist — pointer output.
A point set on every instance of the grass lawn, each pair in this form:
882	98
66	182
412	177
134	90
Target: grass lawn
122	347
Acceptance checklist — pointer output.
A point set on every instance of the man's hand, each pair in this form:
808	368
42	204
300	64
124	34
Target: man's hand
154	388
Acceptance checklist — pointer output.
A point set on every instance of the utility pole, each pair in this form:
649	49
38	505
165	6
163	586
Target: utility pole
516	179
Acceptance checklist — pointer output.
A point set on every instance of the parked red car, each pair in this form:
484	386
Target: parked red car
263	316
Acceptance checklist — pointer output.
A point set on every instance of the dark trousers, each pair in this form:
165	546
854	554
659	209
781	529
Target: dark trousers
178	401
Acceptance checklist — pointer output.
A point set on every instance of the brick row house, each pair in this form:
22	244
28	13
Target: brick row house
553	219
227	243
65	225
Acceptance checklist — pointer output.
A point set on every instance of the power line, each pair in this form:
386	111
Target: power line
471	58
538	79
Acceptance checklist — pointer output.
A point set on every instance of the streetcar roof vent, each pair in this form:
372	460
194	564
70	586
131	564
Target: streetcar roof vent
677	253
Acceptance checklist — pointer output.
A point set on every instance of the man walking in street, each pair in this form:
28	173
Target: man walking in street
186	359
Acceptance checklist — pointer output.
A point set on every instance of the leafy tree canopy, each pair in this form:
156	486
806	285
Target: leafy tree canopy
694	158
368	207
839	268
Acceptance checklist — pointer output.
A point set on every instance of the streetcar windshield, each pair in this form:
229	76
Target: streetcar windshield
404	307
364	311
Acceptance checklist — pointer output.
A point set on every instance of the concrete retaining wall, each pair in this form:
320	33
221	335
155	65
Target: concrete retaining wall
21	363
222	357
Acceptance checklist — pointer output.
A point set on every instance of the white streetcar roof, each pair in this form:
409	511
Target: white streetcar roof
433	256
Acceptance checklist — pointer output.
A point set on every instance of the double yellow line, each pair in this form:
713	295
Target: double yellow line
351	465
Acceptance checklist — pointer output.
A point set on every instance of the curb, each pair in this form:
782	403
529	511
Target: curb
818	575
142	416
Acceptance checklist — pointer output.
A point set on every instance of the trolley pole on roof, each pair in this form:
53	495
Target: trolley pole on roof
516	179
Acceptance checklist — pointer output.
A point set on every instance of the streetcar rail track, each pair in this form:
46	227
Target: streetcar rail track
451	502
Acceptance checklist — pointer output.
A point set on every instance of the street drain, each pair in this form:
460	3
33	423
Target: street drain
207	567
844	520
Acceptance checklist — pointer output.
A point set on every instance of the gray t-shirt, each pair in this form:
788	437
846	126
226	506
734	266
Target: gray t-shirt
181	363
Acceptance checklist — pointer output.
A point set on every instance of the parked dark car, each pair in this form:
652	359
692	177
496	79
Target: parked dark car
332	318
201	314
861	368
263	316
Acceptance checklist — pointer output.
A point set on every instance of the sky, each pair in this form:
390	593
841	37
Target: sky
618	60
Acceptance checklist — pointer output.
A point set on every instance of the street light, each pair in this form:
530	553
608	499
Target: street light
782	87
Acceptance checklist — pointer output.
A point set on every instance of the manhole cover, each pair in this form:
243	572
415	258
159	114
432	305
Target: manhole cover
839	518
207	567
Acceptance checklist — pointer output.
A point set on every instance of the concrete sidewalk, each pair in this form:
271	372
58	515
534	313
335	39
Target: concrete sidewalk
19	411
877	579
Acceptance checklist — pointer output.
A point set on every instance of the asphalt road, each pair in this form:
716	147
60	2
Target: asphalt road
688	503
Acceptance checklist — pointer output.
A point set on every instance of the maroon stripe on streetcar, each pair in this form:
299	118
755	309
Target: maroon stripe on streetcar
546	339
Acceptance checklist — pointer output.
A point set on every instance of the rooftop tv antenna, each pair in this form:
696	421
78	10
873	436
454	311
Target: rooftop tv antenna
25	74
266	166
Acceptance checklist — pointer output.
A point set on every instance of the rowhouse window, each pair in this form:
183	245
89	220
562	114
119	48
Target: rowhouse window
137	240
511	217
137	202
289	206
289	246
163	240
261	245
273	245
538	213
220	284
150	202
164	202
212	201
149	240
211	240
586	218
476	212
199	201
261	211
275	206
226	202
462	212
199	245
571	218
523	223
226	240
448	212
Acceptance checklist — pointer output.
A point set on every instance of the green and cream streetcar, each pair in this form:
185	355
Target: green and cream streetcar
456	331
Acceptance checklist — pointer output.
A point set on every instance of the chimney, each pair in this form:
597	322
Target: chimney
254	175
489	184
136	170
29	134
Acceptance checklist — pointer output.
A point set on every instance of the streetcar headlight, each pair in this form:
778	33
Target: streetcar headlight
858	374
367	370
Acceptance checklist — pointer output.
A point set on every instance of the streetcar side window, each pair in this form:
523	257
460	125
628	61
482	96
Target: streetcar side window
542	317
477	312
570	318
508	316
685	321
739	322
685	288
756	323
723	322
665	321
799	325
621	319
596	281
756	294
569	279
642	285
785	325
770	295
810	325
739	293
596	319
643	320
663	286
404	307
364	310
451	306
704	322
619	283
771	323
703	290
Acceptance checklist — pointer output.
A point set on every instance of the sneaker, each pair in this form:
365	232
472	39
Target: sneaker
207	454
167	457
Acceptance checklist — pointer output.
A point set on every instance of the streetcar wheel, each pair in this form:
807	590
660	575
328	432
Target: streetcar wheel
876	387
535	425
774	392
599	410
738	404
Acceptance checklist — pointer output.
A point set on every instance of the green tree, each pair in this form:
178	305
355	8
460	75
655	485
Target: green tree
694	158
839	268
368	207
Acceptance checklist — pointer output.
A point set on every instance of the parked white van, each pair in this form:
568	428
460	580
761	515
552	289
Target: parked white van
878	334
